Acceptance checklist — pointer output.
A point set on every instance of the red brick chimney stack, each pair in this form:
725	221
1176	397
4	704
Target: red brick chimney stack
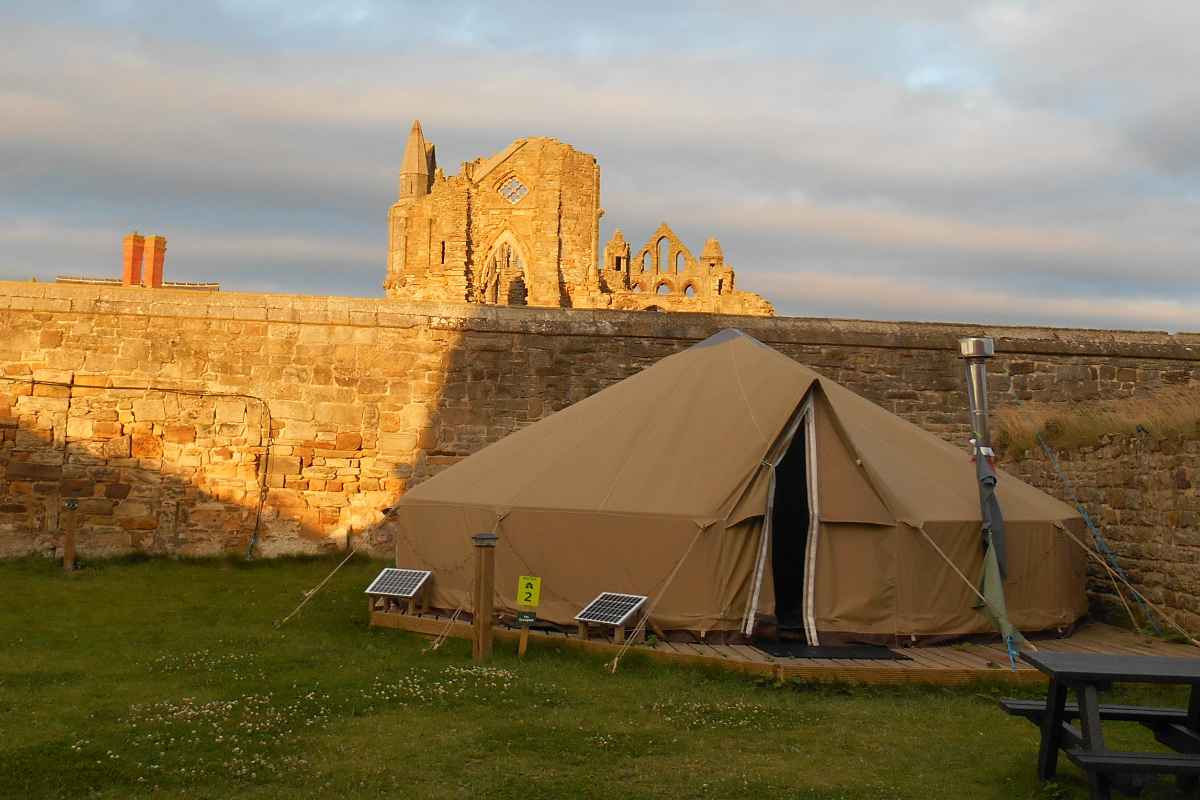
156	254
131	268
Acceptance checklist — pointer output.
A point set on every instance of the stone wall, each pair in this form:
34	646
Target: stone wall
173	417
1141	490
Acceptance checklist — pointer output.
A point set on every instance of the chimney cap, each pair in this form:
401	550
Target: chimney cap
976	347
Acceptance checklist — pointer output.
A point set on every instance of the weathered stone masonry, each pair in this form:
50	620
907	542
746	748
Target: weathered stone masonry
1143	490
357	398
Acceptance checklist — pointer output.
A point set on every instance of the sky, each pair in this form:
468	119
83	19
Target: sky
994	162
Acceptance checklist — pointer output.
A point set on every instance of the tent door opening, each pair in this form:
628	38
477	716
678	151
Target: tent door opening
790	520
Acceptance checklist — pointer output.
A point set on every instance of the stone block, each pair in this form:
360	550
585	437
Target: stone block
28	471
53	375
230	410
179	434
79	428
295	430
348	441
326	499
77	487
291	409
105	430
339	414
117	491
397	443
41	405
191	457
285	498
149	410
145	445
95	507
32	439
284	465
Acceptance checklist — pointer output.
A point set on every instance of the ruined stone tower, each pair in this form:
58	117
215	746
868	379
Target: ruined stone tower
523	228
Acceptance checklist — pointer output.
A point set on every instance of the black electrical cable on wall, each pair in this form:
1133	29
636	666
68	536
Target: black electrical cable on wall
268	439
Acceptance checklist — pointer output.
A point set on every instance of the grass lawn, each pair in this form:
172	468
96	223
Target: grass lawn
167	678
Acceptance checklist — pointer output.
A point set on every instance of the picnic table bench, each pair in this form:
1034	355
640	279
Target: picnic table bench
1087	674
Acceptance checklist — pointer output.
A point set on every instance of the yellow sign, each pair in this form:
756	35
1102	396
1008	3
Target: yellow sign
529	591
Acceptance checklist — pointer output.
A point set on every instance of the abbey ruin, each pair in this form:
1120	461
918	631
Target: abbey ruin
523	228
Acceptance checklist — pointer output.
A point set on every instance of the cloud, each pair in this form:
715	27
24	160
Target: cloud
895	298
993	147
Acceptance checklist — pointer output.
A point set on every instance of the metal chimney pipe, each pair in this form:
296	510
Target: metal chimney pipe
976	350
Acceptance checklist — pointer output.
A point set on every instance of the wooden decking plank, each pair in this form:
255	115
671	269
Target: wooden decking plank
960	657
729	652
929	658
697	649
710	650
749	653
941	664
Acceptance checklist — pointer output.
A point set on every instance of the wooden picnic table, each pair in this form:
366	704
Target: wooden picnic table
1087	674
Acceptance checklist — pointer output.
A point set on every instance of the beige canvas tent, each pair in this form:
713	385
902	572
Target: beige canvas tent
736	489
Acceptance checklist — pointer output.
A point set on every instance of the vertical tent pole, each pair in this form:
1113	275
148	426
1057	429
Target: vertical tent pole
485	586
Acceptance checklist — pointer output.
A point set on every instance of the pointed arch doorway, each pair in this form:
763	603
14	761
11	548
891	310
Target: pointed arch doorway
504	279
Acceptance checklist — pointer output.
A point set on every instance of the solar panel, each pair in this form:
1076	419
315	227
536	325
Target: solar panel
398	582
611	608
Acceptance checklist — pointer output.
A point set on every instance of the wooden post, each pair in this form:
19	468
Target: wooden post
485	589
524	641
68	522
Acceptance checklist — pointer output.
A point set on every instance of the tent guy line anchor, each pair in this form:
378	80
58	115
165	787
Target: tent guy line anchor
309	594
640	628
1170	621
964	578
1097	537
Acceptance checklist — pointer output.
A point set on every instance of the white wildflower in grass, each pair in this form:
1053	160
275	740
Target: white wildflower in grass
456	685
243	738
733	714
237	663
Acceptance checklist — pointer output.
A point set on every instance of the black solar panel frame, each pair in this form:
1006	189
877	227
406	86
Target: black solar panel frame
609	599
393	572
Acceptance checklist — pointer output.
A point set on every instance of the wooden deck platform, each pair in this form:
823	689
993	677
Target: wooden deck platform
945	664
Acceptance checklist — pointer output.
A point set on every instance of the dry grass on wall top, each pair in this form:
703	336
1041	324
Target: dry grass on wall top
1171	412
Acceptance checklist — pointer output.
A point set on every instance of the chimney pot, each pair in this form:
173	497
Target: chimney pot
131	262
156	254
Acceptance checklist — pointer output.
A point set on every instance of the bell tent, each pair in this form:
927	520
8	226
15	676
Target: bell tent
738	490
